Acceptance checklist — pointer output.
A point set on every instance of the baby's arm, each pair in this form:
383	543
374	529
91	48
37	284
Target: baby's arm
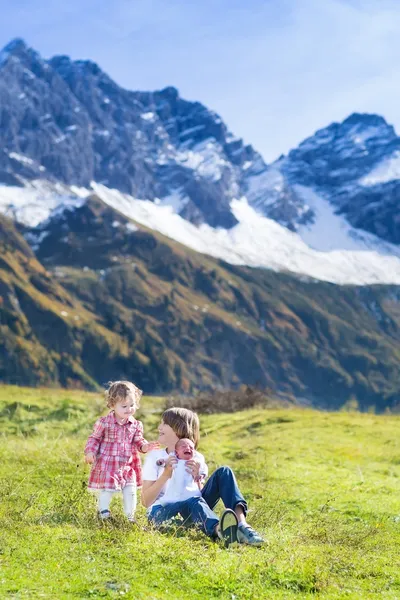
197	467
140	443
94	440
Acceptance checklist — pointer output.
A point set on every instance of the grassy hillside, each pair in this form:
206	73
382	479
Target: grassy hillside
111	299
47	337
322	487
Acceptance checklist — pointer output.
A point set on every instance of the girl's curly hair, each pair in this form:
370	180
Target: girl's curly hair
121	390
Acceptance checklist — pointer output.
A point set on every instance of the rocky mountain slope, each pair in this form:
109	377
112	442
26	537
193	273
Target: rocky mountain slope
115	299
356	165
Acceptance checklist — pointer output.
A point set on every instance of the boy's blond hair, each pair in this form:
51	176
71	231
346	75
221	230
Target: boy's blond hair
121	390
184	422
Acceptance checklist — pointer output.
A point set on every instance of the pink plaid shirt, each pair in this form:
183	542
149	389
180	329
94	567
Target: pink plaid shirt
115	447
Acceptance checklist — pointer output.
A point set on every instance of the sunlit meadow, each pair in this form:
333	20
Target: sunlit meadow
322	487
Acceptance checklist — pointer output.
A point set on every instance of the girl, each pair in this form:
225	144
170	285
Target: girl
178	423
113	448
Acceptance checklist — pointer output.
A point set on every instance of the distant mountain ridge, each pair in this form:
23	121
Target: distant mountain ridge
66	129
67	121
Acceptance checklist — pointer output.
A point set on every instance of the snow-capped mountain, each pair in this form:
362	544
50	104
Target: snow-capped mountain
102	184
355	165
68	121
328	210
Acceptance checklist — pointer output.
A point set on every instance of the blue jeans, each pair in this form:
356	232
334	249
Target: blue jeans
222	485
198	510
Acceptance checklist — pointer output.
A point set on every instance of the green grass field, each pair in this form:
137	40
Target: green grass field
322	487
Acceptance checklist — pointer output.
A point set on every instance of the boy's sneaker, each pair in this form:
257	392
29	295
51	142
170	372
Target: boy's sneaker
104	515
228	528
131	519
247	535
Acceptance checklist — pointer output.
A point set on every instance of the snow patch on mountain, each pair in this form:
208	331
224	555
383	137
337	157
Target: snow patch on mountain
33	203
329	249
259	242
206	158
331	231
177	200
387	170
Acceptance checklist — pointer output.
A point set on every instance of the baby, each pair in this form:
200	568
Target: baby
184	449
182	484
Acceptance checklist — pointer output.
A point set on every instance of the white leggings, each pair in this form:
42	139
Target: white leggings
128	495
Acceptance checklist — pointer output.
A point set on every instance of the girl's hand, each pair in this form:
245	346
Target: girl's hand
193	467
89	458
148	446
169	466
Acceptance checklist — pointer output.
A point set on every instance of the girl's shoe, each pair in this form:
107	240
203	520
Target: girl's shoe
131	519
228	527
104	514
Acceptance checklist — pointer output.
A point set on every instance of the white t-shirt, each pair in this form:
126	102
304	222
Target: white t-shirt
181	486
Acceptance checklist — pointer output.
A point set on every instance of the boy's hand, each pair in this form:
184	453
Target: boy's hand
193	467
89	458
150	446
169	466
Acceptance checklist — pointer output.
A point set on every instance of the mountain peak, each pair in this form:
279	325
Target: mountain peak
20	52
89	66
367	119
349	136
14	48
170	92
18	48
16	45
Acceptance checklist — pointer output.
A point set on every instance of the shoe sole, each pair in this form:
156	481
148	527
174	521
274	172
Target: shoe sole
104	516
254	544
229	528
245	542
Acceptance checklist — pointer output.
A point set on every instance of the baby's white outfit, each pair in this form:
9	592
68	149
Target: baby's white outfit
181	485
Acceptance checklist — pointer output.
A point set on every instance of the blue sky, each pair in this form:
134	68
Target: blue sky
275	70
